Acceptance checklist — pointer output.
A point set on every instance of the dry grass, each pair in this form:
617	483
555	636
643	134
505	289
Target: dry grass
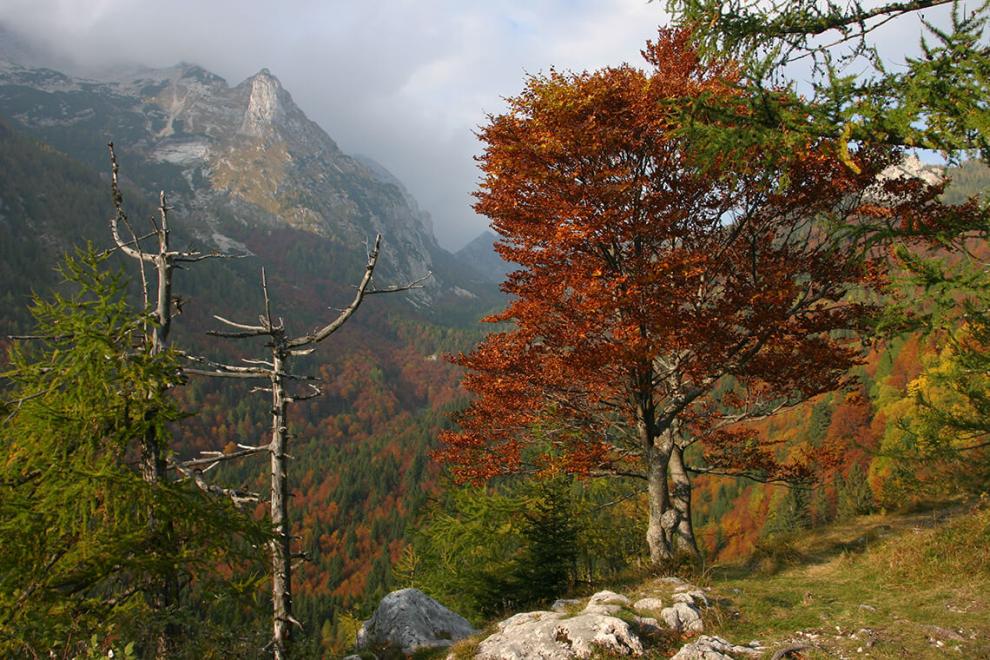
910	586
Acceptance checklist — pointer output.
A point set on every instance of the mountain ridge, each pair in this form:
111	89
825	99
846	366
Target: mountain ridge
227	155
480	253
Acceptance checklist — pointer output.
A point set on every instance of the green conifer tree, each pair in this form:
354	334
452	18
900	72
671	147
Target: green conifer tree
548	565
791	514
78	559
820	506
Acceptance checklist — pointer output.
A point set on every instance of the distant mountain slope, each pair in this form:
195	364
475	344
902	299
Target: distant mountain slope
243	155
48	203
481	255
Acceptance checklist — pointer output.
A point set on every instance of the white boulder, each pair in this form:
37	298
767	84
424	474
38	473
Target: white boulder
715	648
554	636
694	597
410	620
648	605
606	602
682	617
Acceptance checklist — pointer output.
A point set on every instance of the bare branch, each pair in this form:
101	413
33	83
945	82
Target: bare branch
415	284
257	329
217	373
235	335
220	457
268	304
261	362
617	473
315	392
119	215
333	326
238	497
225	368
17	403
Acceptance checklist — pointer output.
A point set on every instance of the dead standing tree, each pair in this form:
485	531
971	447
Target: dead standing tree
283	348
164	260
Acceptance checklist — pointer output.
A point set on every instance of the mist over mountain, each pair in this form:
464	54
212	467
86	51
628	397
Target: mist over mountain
229	157
481	254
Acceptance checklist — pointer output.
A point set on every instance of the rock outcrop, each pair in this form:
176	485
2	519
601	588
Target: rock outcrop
409	620
682	617
716	648
610	624
606	602
554	636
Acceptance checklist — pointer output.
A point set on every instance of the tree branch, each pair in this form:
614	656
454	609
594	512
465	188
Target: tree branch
327	330
120	215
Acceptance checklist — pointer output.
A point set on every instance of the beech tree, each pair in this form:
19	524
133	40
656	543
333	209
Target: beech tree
866	91
662	298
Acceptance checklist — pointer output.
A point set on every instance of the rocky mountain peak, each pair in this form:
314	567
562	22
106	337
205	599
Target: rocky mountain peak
231	157
481	254
264	107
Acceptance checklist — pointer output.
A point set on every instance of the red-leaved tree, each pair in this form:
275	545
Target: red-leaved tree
658	300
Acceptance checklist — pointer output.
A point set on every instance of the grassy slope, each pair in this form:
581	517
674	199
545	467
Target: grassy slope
895	586
884	586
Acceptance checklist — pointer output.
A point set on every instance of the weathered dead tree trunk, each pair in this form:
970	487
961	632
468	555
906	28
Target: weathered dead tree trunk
154	463
277	372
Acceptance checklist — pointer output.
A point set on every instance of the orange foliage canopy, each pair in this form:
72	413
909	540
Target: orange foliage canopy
655	294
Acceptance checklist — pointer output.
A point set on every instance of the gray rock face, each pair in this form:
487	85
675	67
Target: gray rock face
552	636
692	596
245	151
648	605
606	602
715	648
481	255
409	620
682	617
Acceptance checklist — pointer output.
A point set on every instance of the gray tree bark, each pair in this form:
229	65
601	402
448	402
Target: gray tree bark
277	372
153	460
681	502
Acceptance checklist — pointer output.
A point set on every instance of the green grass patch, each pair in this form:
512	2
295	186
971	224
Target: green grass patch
888	586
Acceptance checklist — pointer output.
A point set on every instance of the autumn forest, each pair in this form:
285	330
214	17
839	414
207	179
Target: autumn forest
724	308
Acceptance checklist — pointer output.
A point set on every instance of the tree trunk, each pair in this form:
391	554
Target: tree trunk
681	501
661	519
280	545
657	536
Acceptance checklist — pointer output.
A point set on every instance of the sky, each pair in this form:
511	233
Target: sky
404	82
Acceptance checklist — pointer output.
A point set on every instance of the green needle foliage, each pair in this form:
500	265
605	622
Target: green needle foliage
937	100
551	533
79	558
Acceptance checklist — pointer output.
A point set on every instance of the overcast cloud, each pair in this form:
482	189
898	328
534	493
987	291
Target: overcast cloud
405	82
